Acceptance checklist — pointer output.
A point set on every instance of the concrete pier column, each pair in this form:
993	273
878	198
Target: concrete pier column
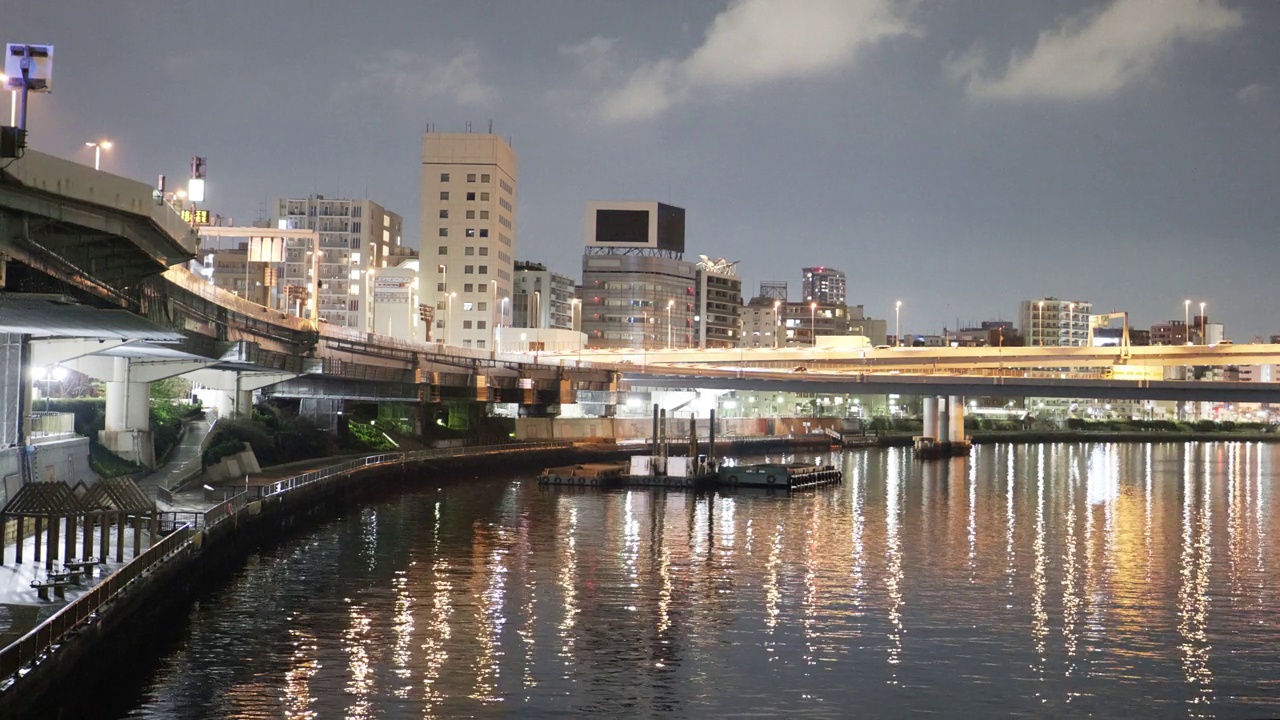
944	420
104	536
127	426
39	525
71	538
17	559
930	426
956	403
51	537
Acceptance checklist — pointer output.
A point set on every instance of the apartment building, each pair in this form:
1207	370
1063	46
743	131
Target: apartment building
468	234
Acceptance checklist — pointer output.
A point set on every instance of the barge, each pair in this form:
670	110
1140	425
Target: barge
772	476
930	448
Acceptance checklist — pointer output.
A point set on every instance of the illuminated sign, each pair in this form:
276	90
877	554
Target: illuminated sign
196	217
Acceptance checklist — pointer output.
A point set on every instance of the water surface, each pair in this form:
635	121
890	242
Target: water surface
1059	581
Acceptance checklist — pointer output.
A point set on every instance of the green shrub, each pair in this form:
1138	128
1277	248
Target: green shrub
364	436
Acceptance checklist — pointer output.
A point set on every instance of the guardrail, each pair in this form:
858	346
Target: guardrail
44	638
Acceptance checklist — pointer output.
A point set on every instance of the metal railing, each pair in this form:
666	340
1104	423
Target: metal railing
45	637
51	424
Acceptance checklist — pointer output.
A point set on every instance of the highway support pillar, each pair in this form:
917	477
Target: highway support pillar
930	425
956	404
127	430
942	430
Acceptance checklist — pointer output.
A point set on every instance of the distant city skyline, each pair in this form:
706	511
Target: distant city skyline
957	158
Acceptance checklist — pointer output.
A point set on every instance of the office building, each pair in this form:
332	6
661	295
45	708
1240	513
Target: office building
542	298
637	290
355	237
468	234
1055	323
761	323
824	285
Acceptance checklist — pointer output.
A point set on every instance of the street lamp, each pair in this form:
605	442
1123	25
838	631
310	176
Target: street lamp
537	311
1186	319
1071	308
575	314
50	375
644	334
493	308
897	323
1204	339
813	323
669	304
98	147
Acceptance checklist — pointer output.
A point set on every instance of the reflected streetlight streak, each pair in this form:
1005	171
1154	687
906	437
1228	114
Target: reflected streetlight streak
297	679
1193	600
810	601
402	627
893	569
1070	582
1039	616
360	670
1146	528
973	520
492	619
1010	557
438	630
772	596
569	590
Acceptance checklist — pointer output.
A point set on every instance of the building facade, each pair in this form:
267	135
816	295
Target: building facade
468	234
355	237
761	324
637	290
1055	323
824	285
718	318
542	298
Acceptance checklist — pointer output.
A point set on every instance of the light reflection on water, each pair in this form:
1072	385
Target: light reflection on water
1060	580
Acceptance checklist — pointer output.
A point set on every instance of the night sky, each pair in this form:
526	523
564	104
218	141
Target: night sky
957	156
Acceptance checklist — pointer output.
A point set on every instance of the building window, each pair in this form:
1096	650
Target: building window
444	250
469	250
444	194
480	343
484	197
471	232
482	306
484	269
467	307
481	325
471	196
484	178
444	177
484	214
440	287
466	324
444	232
471	177
471	214
444	214
440	323
468	288
468	269
484	251
484	233
466	343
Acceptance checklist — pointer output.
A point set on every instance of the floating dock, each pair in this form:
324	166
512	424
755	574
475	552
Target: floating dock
585	474
779	477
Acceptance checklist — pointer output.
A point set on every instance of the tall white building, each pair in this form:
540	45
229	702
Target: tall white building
1055	323
468	234
355	237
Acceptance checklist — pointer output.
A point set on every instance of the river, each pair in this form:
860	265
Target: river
1063	580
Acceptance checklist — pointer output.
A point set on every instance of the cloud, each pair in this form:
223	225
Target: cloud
1098	54
750	43
1253	93
407	74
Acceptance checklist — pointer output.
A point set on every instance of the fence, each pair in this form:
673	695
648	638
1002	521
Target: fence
47	635
45	638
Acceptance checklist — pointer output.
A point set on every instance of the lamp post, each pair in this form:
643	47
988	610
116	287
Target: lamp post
813	324
50	375
1186	319
897	323
537	308
575	314
502	317
98	147
669	304
644	333
493	309
1071	308
1204	339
